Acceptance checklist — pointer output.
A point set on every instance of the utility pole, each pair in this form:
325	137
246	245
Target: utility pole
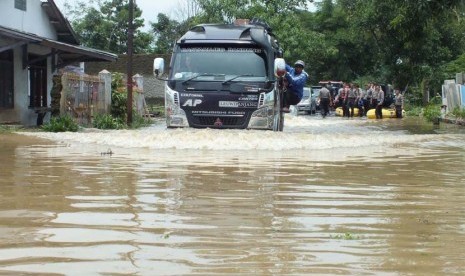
129	62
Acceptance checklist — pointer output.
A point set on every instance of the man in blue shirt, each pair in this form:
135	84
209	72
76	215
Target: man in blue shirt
296	78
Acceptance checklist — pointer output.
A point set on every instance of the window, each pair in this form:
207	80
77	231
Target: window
230	61
6	79
20	4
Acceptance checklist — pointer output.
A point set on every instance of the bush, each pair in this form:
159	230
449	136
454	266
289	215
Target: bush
3	129
458	112
107	122
138	121
413	111
432	112
119	96
61	124
119	104
414	96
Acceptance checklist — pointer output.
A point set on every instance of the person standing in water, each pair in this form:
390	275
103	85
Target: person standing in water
379	101
325	100
398	102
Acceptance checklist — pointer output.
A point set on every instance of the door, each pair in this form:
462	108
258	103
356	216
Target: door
38	84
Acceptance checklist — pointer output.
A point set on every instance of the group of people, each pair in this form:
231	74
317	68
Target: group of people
348	97
351	96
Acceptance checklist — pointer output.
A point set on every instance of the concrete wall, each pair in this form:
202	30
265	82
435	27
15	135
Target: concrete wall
33	20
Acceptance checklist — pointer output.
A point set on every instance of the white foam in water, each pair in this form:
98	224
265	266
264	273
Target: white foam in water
300	132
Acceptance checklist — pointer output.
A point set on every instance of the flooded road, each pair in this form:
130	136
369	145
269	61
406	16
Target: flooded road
324	197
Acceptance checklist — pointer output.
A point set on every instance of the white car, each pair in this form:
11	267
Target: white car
309	103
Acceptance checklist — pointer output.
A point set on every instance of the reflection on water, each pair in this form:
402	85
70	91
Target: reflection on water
329	197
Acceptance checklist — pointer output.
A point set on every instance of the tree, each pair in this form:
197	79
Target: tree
388	41
166	32
104	25
412	38
281	15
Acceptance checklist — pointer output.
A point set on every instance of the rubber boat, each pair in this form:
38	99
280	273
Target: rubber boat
387	113
339	111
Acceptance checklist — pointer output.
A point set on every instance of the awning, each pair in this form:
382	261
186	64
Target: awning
67	53
73	53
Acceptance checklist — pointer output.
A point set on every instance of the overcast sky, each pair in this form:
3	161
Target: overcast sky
150	8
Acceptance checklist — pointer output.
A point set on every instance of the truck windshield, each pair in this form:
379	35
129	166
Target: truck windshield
230	62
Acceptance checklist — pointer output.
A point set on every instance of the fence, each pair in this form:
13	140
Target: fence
84	96
453	93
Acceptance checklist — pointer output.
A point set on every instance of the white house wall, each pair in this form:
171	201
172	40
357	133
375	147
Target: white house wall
21	112
33	20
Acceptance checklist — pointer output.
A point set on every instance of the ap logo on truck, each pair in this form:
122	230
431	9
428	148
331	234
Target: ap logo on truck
191	102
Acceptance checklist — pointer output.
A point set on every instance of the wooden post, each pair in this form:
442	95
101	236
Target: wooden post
129	62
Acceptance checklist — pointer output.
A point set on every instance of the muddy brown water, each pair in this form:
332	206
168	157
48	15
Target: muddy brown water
325	197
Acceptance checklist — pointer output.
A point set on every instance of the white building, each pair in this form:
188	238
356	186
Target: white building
35	41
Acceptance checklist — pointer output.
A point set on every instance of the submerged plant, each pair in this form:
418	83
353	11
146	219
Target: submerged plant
61	124
139	121
458	112
432	112
106	121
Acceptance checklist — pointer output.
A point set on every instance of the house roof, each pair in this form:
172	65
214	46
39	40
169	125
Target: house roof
67	52
67	44
73	53
63	29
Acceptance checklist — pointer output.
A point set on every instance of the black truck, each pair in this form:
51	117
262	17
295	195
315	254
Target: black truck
224	76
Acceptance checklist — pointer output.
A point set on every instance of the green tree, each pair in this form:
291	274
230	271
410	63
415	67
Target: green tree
167	31
412	38
282	16
400	42
104	25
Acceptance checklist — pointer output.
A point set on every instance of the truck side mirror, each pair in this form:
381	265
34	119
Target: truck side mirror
158	67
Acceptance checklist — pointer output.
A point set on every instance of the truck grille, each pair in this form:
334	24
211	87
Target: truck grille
210	121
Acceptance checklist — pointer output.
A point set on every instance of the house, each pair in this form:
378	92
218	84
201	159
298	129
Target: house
35	41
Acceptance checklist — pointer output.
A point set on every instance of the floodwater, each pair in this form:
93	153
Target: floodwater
327	196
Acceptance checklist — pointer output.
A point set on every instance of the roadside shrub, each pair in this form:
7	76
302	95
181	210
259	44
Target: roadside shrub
414	96
458	112
61	124
413	111
138	121
118	104
3	129
432	112
107	121
119	96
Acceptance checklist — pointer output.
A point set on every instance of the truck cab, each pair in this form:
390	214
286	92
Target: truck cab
222	76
